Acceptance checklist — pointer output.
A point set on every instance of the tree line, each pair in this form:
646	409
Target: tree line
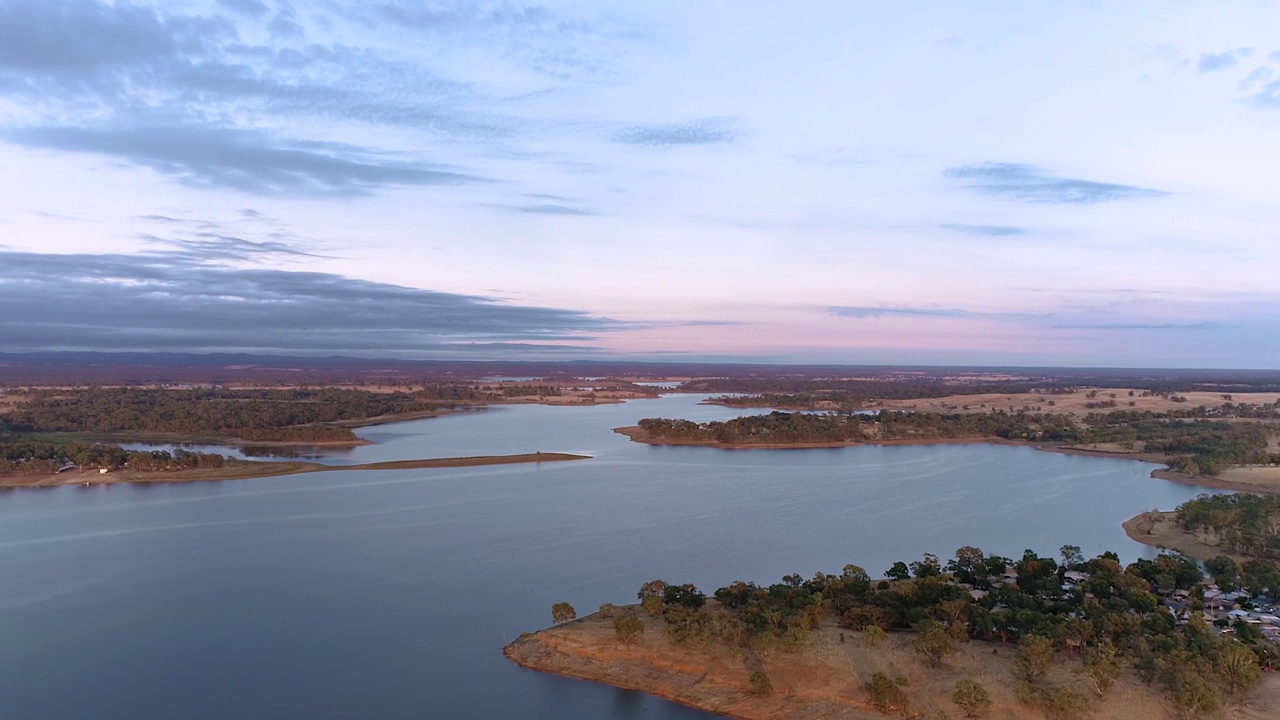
298	414
46	458
1242	522
1198	446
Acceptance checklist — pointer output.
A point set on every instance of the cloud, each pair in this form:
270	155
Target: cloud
880	311
833	156
1214	62
1207	325
245	160
706	131
546	209
84	36
49	215
247	236
1031	184
85	58
95	76
170	302
554	43
251	8
1268	97
1260	74
987	230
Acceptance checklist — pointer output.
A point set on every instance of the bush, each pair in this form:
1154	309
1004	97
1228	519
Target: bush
563	612
972	698
886	692
627	626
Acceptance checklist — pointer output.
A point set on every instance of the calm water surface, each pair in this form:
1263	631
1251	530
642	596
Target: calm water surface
389	594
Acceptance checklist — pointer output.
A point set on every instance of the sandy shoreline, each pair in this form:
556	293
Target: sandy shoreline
245	470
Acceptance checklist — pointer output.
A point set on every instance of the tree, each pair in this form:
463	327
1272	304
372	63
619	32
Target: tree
563	612
1102	666
685	595
1238	667
972	698
899	571
652	604
873	635
653	587
650	596
627	626
933	642
1072	558
927	566
760	683
886	692
1193	696
1035	656
967	564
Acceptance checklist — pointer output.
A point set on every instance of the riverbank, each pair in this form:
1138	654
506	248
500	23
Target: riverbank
245	470
825	678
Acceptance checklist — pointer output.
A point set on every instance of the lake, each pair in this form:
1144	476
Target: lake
389	594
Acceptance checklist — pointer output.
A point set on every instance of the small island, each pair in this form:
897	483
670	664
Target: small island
976	636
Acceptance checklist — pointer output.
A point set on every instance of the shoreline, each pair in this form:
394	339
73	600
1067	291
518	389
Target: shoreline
1165	534
711	681
248	470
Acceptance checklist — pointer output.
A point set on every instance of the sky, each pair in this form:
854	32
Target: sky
987	183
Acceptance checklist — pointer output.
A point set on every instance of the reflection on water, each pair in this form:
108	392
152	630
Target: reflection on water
247	452
389	594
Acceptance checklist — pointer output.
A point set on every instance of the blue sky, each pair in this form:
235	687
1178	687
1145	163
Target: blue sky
998	183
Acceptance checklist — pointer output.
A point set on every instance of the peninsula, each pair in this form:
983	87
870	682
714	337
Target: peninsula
1244	527
1036	637
246	469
